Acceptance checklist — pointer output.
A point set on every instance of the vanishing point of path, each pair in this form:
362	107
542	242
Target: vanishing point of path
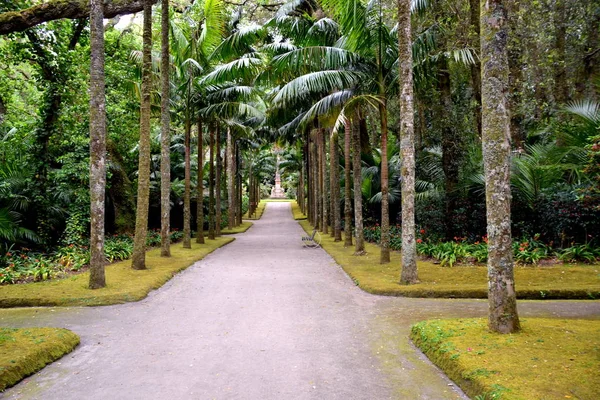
261	318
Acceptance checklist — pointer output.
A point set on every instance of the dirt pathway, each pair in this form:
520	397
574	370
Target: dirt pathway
262	318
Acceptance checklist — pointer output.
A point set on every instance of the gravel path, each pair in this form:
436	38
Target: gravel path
262	318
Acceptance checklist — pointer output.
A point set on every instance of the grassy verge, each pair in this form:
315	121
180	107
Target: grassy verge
549	359
298	215
565	281
238	229
277	200
260	209
123	283
26	351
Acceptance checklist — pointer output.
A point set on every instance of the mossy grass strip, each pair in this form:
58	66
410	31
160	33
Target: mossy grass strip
548	359
260	209
298	215
237	229
26	351
124	284
562	281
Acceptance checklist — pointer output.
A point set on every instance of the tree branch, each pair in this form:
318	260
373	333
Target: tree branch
17	21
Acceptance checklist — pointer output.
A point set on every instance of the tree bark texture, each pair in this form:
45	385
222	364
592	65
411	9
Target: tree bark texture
97	147
187	194
347	188
407	145
165	135
211	184
17	21
334	165
503	316
143	196
359	242
230	194
200	187
476	67
218	184
384	256
323	172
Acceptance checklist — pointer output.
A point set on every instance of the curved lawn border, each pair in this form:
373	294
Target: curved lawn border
260	209
124	284
549	358
537	283
237	229
27	350
296	212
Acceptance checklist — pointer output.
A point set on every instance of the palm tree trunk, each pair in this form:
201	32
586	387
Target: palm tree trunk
230	168
211	184
502	300
143	196
97	146
359	242
316	181
335	187
218	183
347	189
407	145
384	257
239	185
165	136
200	187
323	179
187	215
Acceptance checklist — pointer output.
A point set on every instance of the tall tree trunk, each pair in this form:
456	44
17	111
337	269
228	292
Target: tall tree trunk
384	256
561	89
97	147
359	242
503	316
143	196
451	147
407	145
165	136
334	162
187	213
200	187
347	188
211	184
476	67
218	183
515	66
323	173
230	194
239	185
309	178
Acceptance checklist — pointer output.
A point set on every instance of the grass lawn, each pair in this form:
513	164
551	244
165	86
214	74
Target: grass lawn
548	359
260	209
562	281
123	283
298	215
26	351
238	229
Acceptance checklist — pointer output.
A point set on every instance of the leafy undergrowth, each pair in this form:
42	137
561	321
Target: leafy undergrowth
548	359
123	283
26	351
260	209
237	229
296	212
564	281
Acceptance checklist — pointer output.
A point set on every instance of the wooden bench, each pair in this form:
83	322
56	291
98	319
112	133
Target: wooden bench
314	240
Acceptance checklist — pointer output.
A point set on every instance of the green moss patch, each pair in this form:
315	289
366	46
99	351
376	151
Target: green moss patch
123	283
237	229
260	209
296	212
564	281
26	351
548	359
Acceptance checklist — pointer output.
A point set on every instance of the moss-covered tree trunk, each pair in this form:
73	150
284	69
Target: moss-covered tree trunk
323	173
407	145
218	184
211	183
200	186
230	176
138	260
334	164
384	256
239	185
187	194
476	66
359	242
347	187
503	315
165	135
97	146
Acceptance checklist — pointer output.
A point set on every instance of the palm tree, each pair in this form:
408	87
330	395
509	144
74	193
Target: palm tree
165	119
97	146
